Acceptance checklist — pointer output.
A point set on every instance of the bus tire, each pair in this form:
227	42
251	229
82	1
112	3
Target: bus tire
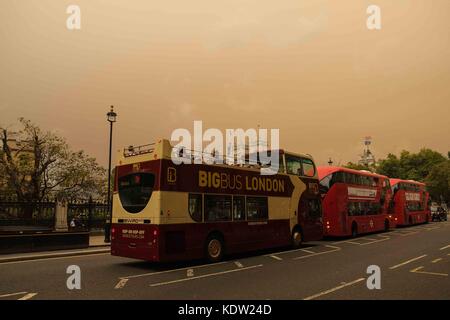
354	230
296	237
214	247
386	225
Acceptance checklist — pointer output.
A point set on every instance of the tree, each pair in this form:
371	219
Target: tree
438	182
413	166
357	166
43	164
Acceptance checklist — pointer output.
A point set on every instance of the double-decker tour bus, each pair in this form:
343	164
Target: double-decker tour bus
354	201
410	202
168	212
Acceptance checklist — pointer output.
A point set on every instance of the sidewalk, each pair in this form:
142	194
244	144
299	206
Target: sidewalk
98	241
96	246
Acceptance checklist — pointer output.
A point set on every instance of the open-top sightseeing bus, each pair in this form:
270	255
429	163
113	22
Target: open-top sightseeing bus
410	202
167	212
354	201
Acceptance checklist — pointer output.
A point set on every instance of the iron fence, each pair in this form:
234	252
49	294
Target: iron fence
82	214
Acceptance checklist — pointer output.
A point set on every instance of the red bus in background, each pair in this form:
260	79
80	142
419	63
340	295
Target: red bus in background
354	201
410	202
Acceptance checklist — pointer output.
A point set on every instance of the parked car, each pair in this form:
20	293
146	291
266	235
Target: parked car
438	213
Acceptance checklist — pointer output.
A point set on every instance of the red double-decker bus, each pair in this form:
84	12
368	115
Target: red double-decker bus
354	201
166	212
410	202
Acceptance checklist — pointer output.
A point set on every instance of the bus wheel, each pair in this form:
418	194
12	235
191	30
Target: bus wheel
386	225
297	238
354	230
214	248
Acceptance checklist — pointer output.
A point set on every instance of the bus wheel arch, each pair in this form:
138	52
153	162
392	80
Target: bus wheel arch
354	229
214	246
386	225
297	236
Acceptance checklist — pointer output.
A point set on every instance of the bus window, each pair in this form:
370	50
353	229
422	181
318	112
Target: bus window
195	207
135	191
293	165
325	184
257	208
308	168
217	208
238	208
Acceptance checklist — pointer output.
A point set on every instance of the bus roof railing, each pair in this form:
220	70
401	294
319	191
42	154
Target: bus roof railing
135	151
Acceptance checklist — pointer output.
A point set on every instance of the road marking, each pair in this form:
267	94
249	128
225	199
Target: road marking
334	289
406	262
446	247
283	252
172	270
28	296
204	276
377	240
432	228
410	233
275	257
353	242
307	251
417	270
189	272
121	284
58	258
370	239
436	260
318	253
238	264
12	294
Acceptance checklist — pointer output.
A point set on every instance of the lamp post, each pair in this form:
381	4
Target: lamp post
111	117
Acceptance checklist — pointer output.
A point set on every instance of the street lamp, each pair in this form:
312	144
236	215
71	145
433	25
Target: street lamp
111	117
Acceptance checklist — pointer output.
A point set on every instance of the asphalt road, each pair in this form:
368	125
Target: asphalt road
414	263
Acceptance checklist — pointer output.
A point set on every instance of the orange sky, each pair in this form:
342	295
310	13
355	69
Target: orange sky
308	67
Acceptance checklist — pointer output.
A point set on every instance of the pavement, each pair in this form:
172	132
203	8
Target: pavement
414	263
96	245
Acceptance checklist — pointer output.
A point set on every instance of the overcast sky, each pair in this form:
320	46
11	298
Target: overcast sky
308	67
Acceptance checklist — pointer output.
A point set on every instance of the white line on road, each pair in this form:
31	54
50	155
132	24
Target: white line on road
417	270
189	272
275	257
318	253
204	276
408	261
307	251
58	258
172	270
375	241
238	264
283	252
121	284
12	294
334	289
446	247
28	296
436	260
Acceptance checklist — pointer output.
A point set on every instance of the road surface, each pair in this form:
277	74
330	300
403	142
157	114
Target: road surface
414	263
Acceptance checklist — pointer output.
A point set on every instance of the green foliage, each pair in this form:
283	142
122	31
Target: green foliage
438	181
43	165
357	166
426	166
